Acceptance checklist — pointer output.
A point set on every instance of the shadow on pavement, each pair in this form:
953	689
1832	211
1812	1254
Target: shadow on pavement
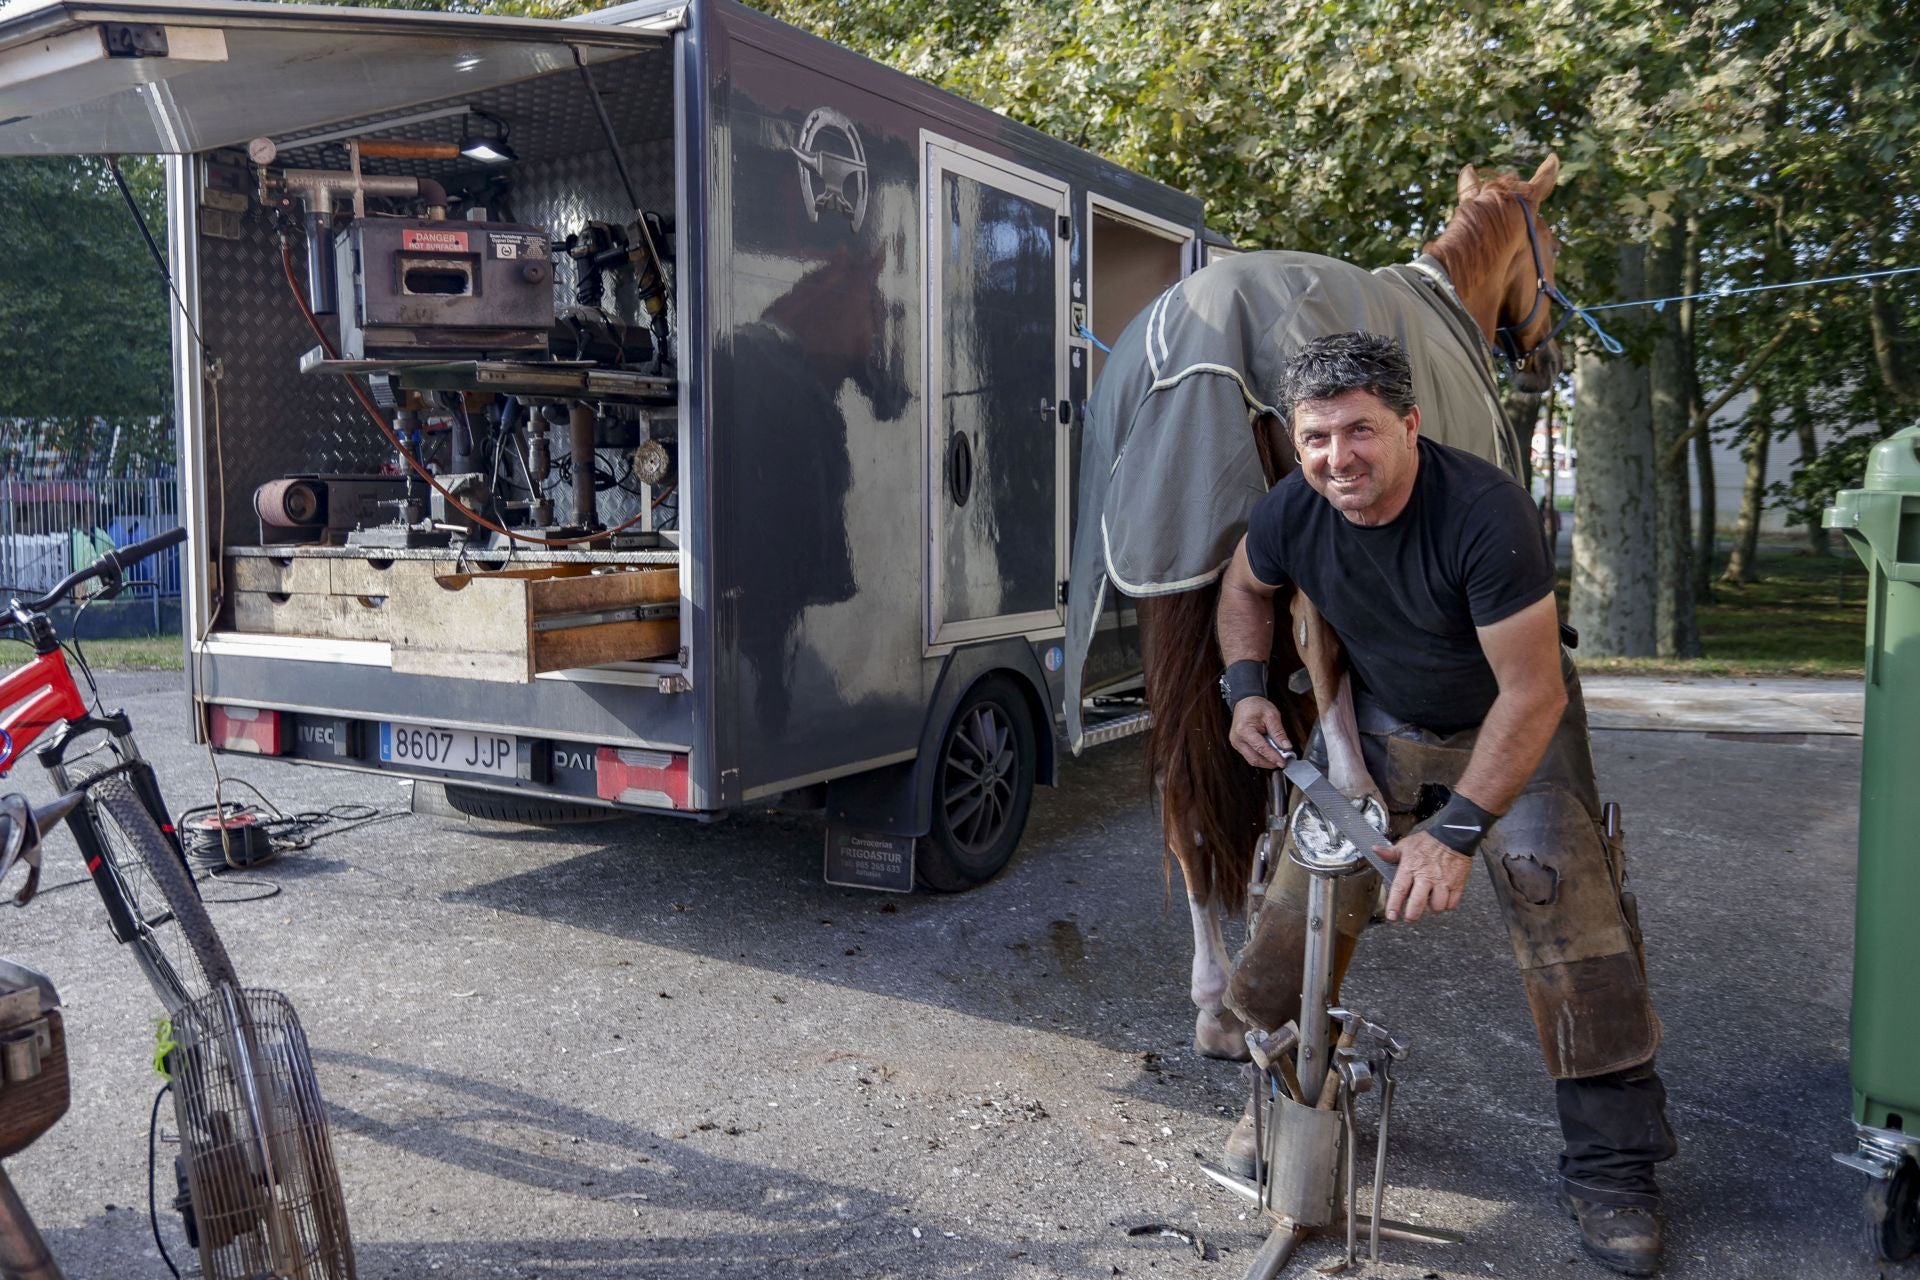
1080	935
759	1221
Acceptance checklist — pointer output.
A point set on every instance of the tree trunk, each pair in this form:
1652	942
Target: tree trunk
1676	628
1552	485
1892	345
1615	568
1817	540
1741	565
1706	536
1523	414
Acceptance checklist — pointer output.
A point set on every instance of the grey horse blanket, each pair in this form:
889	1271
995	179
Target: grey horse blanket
1168	469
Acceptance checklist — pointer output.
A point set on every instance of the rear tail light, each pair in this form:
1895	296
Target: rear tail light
248	729
627	775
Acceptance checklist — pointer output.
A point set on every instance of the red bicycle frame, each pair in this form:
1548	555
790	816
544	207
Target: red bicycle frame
34	698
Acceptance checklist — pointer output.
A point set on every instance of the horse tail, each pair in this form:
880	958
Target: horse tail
1213	804
1211	809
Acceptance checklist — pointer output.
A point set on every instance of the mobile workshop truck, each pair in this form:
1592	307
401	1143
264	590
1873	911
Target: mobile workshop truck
748	372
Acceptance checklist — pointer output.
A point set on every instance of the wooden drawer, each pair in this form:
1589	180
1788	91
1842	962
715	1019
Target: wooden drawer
278	575
515	623
507	625
278	613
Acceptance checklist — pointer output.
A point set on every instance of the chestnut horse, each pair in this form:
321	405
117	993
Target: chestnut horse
1498	257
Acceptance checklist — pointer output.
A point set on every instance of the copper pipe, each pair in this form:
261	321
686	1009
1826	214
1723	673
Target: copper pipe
401	149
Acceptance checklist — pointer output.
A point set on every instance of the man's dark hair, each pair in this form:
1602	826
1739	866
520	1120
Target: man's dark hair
1332	366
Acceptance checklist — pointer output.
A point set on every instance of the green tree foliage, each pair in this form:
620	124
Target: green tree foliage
83	317
1335	127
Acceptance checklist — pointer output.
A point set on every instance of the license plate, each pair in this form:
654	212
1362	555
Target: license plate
493	755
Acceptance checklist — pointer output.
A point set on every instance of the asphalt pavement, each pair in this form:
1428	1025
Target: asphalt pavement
654	1048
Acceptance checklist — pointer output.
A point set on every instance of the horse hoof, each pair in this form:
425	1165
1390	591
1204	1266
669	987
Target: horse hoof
1220	1035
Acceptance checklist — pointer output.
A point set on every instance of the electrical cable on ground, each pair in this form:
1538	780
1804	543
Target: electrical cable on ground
217	838
153	1208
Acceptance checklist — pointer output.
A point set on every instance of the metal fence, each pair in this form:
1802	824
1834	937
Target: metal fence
50	527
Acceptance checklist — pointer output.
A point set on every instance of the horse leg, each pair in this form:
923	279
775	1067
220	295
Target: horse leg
1217	1033
1333	696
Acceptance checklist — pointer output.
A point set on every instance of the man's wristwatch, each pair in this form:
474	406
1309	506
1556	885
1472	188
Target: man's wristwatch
1246	678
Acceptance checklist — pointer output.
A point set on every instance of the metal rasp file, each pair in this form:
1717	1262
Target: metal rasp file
1336	809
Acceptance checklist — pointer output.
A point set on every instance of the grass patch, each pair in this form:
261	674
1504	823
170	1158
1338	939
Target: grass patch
135	653
1806	616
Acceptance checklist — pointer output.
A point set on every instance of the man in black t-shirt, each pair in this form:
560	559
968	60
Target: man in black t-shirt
1429	565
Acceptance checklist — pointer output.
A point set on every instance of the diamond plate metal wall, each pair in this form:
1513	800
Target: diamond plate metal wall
273	419
276	421
568	191
549	115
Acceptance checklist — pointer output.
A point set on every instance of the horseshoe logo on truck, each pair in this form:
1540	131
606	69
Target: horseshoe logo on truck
832	177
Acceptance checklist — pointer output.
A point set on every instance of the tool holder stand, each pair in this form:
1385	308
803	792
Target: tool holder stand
1307	1084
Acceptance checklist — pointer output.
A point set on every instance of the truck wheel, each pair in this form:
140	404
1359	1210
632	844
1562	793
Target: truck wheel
982	789
1893	1214
534	811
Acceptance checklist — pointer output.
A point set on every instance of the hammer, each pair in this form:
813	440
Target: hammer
1270	1050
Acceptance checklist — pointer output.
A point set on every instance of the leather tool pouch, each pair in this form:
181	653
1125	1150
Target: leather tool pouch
33	1069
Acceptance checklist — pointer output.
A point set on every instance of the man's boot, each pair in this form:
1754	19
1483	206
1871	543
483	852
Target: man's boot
1237	1156
1625	1238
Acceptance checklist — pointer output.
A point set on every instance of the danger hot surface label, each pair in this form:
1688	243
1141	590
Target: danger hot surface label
434	241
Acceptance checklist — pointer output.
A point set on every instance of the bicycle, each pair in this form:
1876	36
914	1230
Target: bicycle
127	841
259	1193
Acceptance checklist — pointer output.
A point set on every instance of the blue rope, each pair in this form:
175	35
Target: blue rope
1659	304
1608	343
1087	333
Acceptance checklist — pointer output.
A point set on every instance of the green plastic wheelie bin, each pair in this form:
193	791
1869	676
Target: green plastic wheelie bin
1881	520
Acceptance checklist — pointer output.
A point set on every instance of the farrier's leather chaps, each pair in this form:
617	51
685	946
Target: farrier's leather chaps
1559	880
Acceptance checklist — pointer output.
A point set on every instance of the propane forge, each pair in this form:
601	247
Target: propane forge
1308	1076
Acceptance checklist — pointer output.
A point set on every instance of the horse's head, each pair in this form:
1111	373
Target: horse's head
1499	253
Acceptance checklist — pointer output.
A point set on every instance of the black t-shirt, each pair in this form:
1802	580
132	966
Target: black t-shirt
1406	596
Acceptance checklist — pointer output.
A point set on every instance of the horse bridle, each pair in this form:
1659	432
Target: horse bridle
1506	341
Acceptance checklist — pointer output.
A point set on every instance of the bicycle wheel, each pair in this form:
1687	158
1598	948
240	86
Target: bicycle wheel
174	942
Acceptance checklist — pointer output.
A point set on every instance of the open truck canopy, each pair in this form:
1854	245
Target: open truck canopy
164	78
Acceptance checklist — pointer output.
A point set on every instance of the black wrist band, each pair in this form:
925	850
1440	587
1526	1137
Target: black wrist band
1462	825
1246	678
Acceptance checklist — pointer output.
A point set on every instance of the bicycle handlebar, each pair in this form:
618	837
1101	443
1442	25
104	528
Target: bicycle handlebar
110	565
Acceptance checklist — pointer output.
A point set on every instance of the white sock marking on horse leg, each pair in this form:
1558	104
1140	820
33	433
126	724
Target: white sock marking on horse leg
1209	985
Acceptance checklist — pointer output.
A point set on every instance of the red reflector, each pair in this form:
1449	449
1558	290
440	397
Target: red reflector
246	729
630	775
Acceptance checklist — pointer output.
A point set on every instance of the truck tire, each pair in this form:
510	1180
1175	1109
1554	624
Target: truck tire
982	789
534	811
